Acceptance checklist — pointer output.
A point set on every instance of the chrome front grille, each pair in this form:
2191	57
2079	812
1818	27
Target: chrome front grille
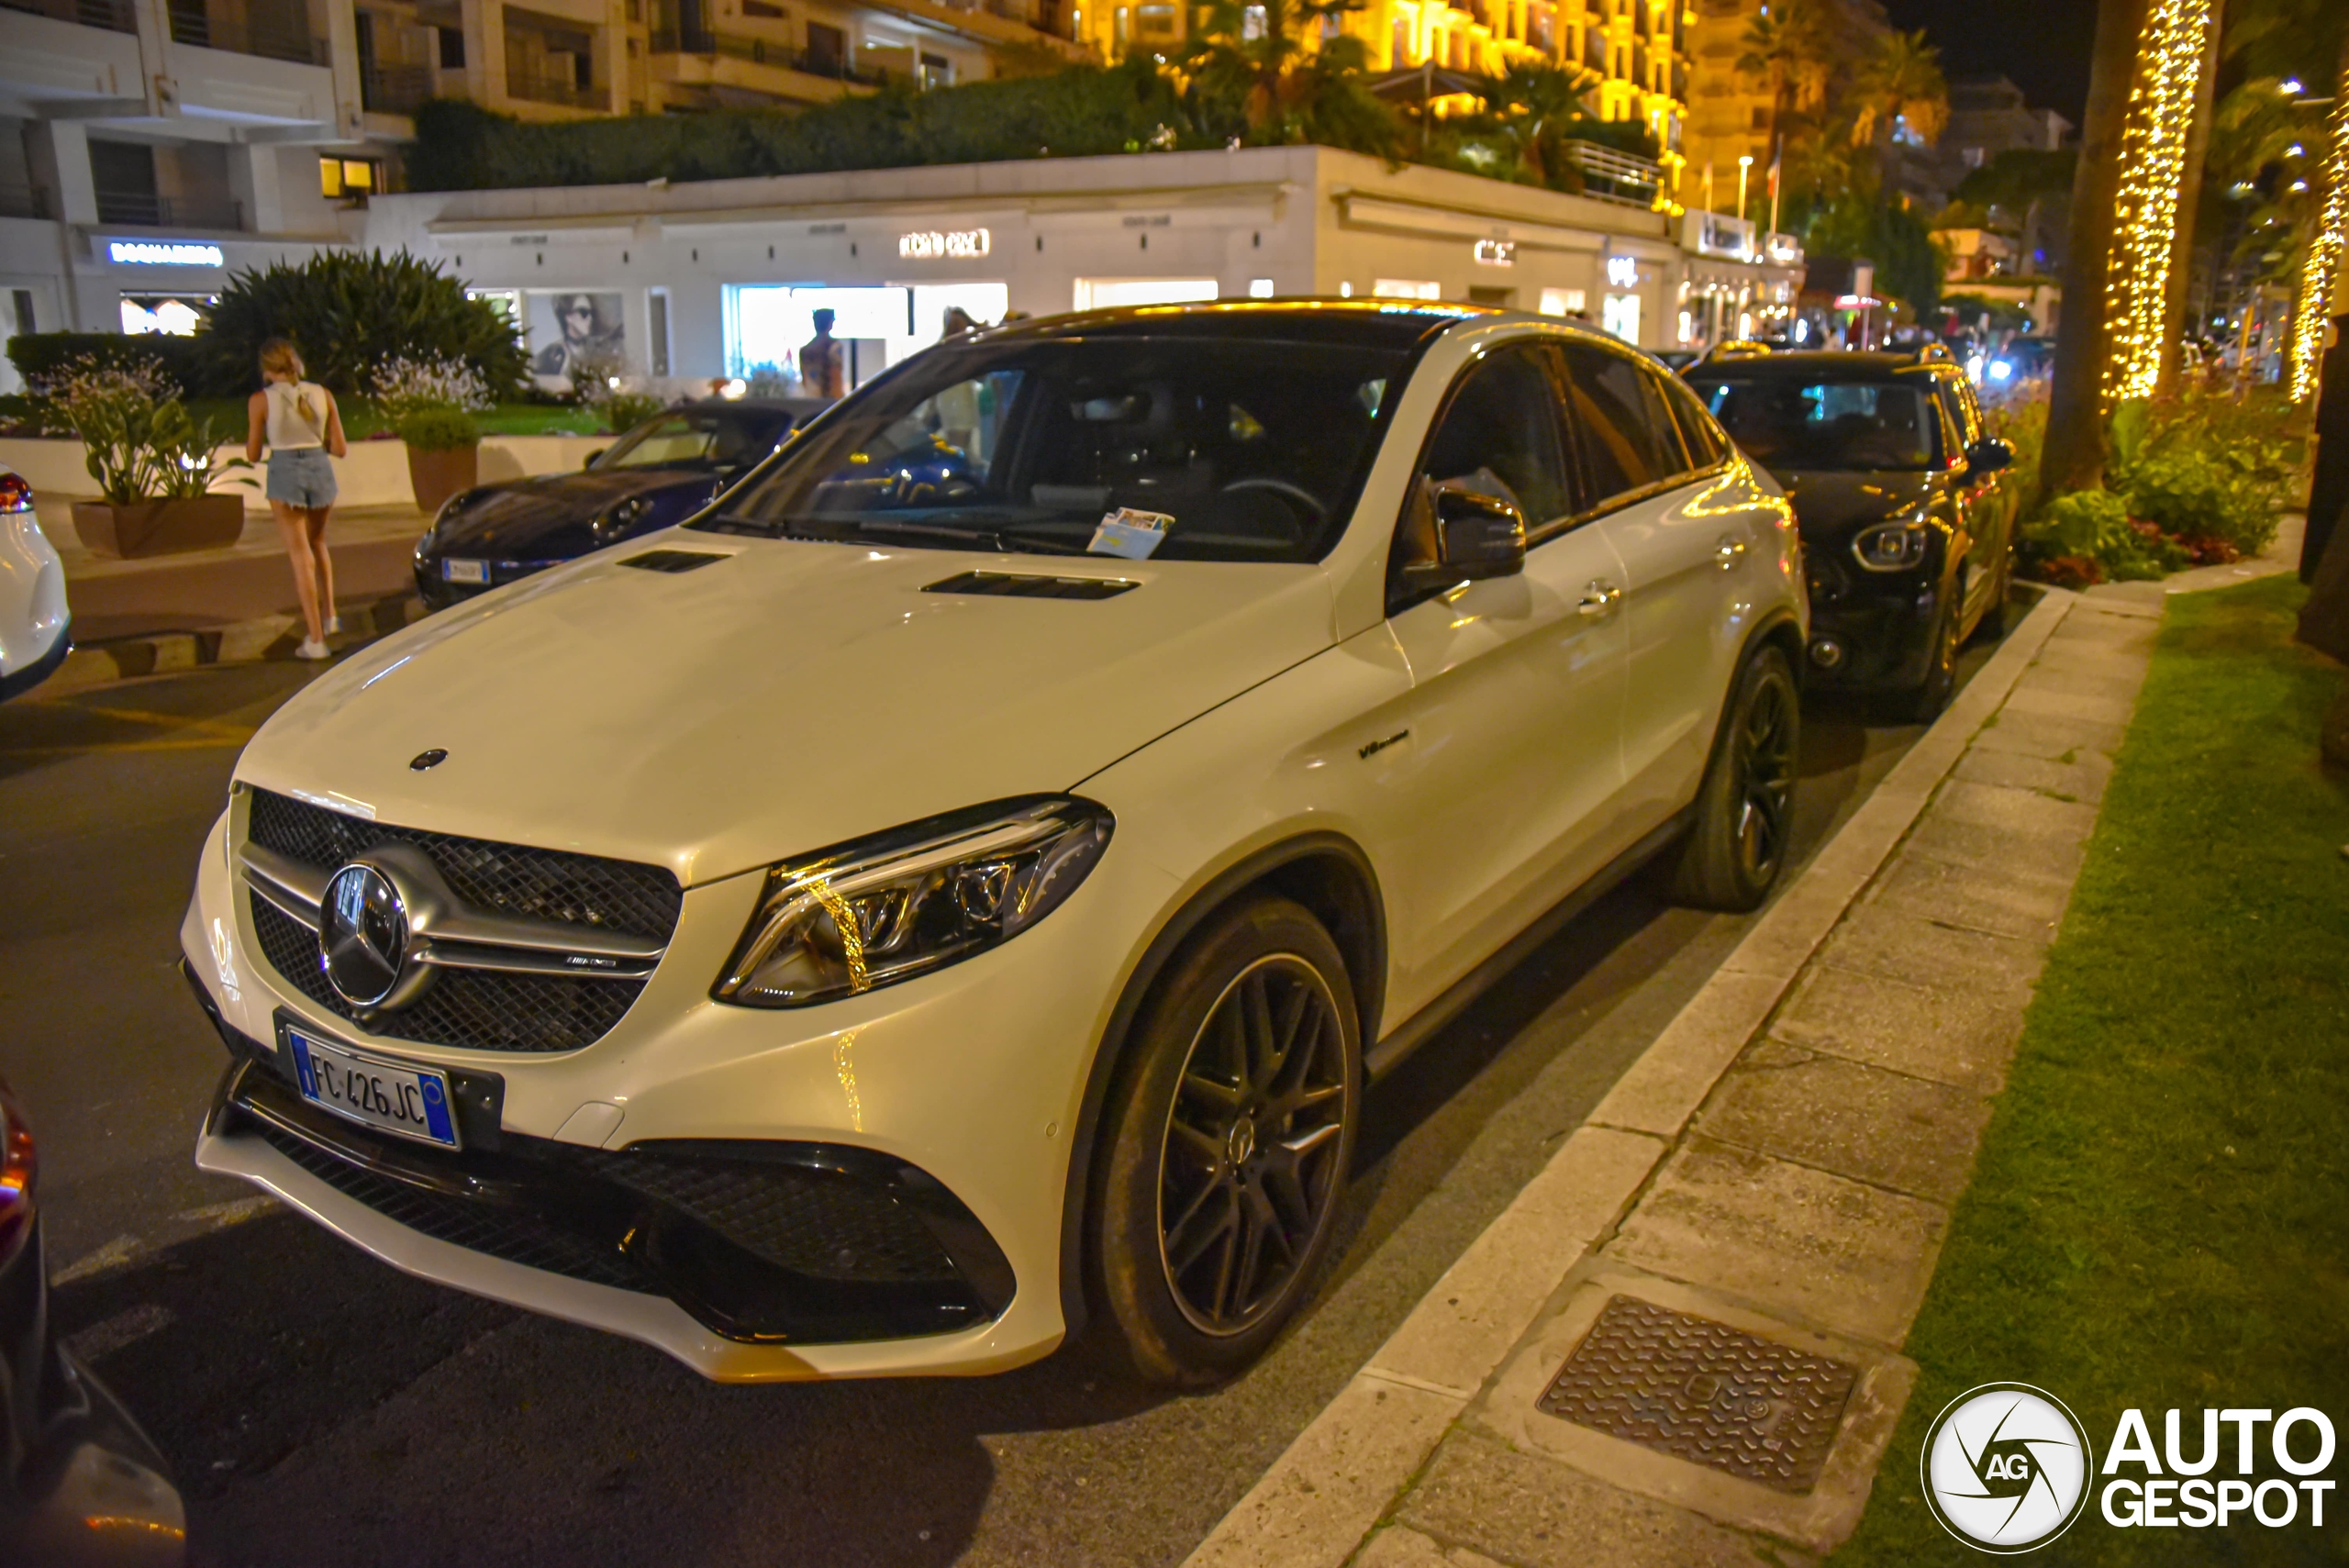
534	949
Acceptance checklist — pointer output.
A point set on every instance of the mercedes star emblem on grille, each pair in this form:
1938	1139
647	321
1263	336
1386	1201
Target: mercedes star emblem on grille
363	936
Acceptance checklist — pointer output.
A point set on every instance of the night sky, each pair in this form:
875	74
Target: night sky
2041	45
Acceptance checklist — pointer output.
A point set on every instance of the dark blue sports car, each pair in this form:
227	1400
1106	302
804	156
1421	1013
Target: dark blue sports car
658	474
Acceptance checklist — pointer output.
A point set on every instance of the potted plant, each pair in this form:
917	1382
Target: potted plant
431	403
154	465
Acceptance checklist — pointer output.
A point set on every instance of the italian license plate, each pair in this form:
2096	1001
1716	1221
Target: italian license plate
464	571
411	1102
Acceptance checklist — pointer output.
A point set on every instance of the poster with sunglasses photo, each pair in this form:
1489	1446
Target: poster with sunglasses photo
574	331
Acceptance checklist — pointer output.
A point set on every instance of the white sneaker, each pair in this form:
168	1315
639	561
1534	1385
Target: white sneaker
314	649
334	624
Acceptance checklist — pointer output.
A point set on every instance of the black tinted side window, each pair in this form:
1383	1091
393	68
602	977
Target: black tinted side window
1503	426
1626	437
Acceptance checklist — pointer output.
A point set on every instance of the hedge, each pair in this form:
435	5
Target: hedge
1080	112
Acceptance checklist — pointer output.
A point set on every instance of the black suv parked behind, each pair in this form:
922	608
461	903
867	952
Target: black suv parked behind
1907	514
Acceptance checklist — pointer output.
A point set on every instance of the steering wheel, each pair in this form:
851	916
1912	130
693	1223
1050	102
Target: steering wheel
1288	491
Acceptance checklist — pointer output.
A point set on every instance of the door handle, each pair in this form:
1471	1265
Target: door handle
1726	552
1599	599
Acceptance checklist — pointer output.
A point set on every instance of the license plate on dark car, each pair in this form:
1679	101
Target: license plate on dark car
465	572
410	1101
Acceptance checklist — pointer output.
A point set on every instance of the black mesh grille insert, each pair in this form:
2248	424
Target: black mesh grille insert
812	1222
515	1235
1029	585
501	878
477	1009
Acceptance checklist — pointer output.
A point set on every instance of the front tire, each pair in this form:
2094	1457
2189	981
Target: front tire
1745	807
1923	703
1230	1129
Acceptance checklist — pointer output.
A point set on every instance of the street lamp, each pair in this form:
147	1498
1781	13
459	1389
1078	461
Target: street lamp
1744	167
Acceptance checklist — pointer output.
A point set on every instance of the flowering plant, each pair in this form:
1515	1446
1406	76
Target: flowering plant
141	444
403	385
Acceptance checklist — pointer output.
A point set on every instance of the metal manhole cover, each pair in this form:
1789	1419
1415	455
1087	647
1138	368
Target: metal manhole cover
1704	1392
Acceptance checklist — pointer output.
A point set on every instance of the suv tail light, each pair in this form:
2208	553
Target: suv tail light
15	496
16	1176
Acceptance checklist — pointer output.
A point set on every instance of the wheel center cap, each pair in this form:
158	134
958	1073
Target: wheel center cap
1241	1142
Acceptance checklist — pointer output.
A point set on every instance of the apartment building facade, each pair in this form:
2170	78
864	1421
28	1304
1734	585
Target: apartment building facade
1731	114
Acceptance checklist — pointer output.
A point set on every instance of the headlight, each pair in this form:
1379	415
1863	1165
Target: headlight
621	519
1892	546
889	907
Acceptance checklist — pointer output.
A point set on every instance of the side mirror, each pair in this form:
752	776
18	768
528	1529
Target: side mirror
1476	535
593	456
1987	456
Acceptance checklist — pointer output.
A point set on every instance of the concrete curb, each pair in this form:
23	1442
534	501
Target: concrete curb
1327	1492
245	642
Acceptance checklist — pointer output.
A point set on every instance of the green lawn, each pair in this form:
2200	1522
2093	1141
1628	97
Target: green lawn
2161	1216
359	420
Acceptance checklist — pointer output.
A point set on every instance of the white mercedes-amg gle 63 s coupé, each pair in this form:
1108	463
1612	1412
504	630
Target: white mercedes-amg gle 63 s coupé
963	880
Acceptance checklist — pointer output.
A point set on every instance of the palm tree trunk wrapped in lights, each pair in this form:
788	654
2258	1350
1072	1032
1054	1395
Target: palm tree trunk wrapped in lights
2169	91
2321	270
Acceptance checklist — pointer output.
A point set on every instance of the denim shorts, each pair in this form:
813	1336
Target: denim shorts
302	477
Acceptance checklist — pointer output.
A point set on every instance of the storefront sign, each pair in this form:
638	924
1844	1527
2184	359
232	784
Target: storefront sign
1497	252
163	253
952	245
1623	272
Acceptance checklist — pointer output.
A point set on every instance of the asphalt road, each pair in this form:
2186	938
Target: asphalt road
322	1408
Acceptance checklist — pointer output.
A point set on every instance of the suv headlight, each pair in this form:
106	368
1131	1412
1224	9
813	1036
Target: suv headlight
903	903
1892	546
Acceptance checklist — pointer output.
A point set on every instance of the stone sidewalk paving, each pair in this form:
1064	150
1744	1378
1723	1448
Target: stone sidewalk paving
1681	1344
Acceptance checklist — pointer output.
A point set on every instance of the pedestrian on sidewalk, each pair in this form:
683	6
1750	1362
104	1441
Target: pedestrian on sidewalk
299	421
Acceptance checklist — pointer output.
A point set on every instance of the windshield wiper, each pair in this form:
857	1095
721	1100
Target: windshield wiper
1004	540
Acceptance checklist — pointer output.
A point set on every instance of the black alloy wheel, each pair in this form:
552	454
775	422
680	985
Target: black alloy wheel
1246	1168
1764	771
1226	1143
1744	808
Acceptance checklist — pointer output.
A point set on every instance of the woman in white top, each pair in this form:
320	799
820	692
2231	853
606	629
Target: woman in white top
302	426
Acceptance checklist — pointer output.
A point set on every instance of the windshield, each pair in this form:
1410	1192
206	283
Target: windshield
1782	423
707	439
1241	451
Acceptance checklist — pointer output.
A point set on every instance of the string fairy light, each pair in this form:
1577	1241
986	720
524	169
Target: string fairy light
2162	102
2322	265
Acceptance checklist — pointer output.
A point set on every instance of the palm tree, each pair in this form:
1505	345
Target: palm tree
1788	47
1899	80
1287	72
1534	104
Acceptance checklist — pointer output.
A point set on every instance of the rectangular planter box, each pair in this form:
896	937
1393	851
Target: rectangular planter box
160	527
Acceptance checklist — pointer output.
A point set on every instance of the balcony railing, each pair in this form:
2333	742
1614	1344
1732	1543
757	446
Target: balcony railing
766	51
393	89
270	29
562	90
146	208
23	201
1611	176
113	15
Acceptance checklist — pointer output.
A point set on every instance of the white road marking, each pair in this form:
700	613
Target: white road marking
124	1327
213	1216
114	1254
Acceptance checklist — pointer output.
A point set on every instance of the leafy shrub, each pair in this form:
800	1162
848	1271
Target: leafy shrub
42	357
403	385
624	411
2207	470
2088	537
349	312
140	442
437	427
2017	416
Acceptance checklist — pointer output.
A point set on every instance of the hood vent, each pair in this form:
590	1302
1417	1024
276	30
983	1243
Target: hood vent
1023	586
672	560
